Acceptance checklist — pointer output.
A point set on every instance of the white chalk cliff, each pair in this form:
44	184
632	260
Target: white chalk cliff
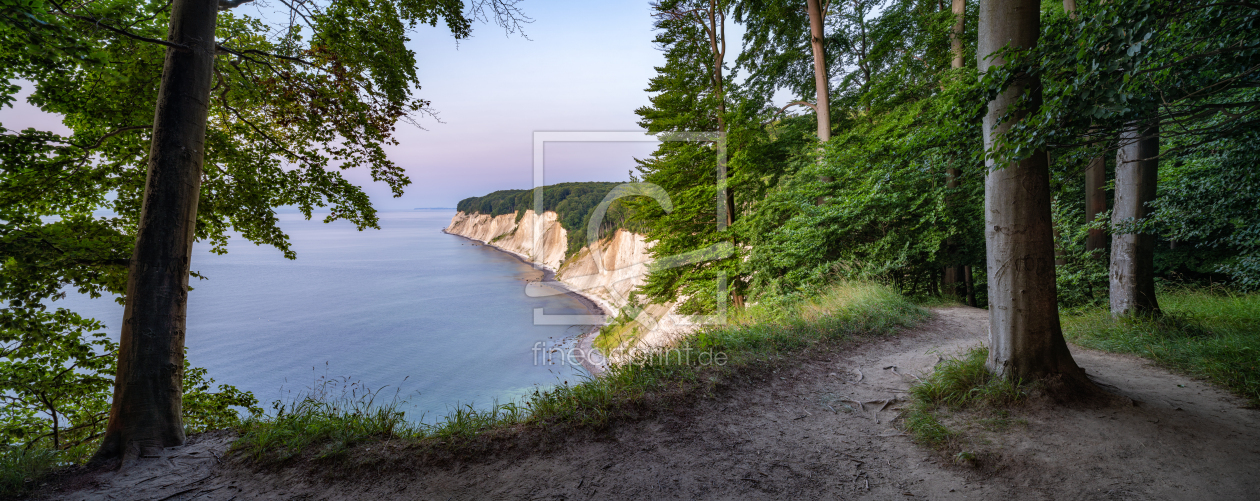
506	233
606	271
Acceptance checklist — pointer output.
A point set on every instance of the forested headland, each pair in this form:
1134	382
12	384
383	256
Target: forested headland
1086	170
573	203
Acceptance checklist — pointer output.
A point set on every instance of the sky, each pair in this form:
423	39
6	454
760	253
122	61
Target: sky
584	67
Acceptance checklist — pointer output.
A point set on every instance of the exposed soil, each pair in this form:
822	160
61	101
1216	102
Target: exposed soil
825	429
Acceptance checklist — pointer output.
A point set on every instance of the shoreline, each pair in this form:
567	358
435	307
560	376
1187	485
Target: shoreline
585	342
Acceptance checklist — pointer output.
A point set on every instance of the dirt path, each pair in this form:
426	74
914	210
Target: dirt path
802	434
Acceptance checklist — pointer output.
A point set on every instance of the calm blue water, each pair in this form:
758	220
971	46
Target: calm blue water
407	301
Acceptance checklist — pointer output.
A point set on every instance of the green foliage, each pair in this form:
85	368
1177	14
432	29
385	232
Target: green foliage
757	159
1212	334
56	379
1081	277
902	118
1187	65
56	383
888	214
776	47
688	96
206	410
57	387
573	204
927	429
965	382
1207	204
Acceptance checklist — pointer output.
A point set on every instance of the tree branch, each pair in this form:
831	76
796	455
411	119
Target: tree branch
112	134
232	4
120	31
242	53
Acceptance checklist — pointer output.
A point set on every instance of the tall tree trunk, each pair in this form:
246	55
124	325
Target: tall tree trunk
959	9
716	31
1025	338
822	87
953	274
971	287
1095	204
1095	182
146	412
822	107
1069	6
1133	254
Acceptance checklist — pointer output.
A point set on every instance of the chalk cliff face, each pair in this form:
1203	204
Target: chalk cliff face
606	271
609	269
506	233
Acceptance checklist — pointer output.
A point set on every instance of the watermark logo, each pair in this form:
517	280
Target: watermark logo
558	354
714	252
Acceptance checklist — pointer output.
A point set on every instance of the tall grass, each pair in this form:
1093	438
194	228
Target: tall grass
1206	333
20	466
324	424
335	415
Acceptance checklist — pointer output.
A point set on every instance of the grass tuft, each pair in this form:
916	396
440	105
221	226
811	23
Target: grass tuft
966	382
957	384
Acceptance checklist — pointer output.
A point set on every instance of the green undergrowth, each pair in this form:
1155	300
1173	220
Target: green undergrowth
960	384
20	467
327	423
1211	334
613	336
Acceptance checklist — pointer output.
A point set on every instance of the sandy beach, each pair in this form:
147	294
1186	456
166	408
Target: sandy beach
585	342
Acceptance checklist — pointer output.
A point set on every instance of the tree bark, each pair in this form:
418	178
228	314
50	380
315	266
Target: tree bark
959	9
1025	338
145	415
1095	182
953	274
971	288
1095	203
1133	254
822	107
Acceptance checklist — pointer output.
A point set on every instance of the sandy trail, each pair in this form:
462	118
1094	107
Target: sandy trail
822	430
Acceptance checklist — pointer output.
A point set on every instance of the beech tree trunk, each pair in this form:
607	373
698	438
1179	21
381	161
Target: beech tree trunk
145	415
971	288
953	274
1133	254
821	87
959	9
1025	338
1095	203
1095	182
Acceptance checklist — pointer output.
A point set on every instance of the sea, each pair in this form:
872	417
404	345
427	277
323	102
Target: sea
429	321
